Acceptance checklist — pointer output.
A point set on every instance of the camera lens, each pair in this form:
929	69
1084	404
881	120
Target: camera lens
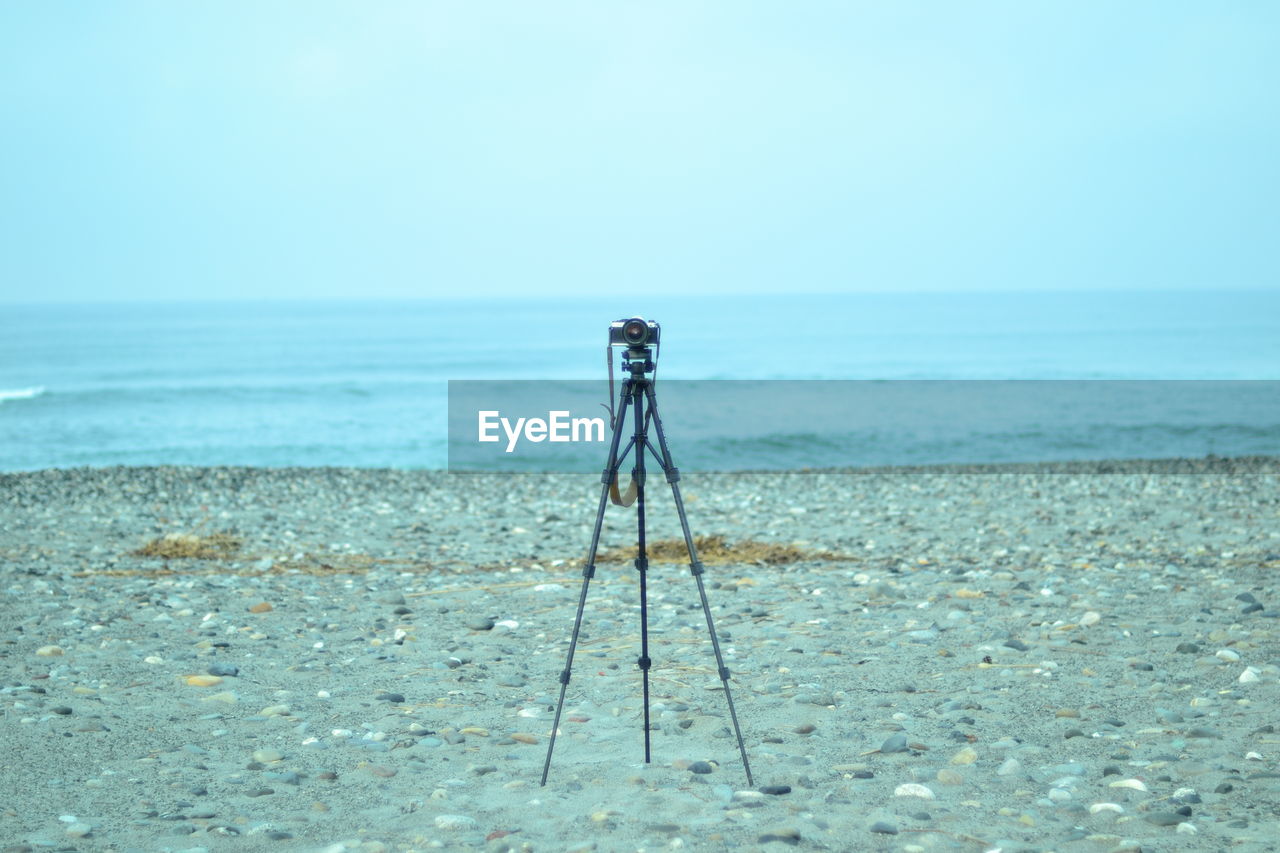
635	331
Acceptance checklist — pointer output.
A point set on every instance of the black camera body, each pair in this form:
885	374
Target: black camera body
633	333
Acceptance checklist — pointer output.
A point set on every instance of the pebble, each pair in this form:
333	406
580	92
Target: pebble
894	743
1164	818
1008	767
884	827
49	651
786	834
222	669
394	698
455	822
1204	733
913	789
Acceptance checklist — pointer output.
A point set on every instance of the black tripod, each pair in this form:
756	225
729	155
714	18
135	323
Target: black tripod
637	390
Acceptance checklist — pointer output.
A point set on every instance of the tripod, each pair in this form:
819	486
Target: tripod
637	393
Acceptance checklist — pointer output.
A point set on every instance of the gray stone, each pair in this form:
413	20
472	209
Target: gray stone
896	742
785	834
1164	818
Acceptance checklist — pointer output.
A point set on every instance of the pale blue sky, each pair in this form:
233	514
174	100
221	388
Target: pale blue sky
415	149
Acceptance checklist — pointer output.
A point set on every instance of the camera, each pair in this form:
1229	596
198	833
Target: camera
634	332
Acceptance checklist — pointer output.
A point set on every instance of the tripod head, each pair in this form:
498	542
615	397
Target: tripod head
639	361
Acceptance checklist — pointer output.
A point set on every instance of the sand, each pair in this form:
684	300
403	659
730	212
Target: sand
1070	657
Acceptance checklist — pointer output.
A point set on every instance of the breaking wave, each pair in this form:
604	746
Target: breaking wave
20	393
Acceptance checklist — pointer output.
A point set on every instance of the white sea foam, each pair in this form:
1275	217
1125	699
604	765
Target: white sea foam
20	393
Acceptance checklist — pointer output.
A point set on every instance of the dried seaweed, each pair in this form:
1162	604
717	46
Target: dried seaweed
328	564
189	546
716	550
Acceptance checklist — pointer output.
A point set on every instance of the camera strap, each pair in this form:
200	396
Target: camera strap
622	498
616	496
608	366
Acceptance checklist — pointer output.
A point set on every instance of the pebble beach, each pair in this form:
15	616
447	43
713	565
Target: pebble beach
1070	656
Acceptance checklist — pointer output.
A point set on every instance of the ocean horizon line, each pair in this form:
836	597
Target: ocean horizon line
524	298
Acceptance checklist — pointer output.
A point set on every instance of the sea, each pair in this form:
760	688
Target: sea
367	383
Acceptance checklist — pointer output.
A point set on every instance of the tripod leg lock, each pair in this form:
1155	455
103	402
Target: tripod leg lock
644	663
609	475
695	568
564	677
724	673
642	564
673	474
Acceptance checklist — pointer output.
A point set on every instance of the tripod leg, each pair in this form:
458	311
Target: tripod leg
695	566
642	559
589	569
